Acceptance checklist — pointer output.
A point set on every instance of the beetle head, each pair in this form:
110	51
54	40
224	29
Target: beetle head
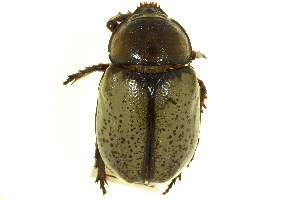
149	9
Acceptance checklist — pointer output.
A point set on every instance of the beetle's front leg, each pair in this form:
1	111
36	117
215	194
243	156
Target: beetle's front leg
74	77
115	21
203	95
101	176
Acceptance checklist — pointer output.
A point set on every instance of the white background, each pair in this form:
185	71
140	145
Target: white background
249	146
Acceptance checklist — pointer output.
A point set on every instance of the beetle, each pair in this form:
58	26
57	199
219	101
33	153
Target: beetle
150	100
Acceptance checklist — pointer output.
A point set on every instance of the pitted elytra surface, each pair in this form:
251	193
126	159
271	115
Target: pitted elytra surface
122	135
177	117
155	135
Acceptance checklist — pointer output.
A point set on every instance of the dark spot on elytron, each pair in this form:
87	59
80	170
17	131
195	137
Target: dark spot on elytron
115	154
180	136
171	142
174	132
170	136
132	138
182	126
111	144
120	121
122	140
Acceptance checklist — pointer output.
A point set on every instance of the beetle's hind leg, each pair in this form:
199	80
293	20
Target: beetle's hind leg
203	95
172	183
194	153
101	176
81	73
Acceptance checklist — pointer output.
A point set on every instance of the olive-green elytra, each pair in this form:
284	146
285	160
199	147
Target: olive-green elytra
130	148
150	100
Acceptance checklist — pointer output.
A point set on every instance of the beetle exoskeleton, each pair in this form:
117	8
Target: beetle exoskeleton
150	41
150	100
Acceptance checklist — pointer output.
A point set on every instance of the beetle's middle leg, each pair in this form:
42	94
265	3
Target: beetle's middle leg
81	73
203	95
197	54
101	176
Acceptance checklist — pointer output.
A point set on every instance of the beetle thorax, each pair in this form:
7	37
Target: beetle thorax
150	41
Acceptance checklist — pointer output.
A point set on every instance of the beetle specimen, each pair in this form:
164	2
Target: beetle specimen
150	100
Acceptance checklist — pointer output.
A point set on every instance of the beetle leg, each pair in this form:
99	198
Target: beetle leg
101	176
197	54
172	183
194	153
74	77
114	22
203	95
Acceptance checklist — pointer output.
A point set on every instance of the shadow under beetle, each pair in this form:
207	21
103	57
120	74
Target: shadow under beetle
150	100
